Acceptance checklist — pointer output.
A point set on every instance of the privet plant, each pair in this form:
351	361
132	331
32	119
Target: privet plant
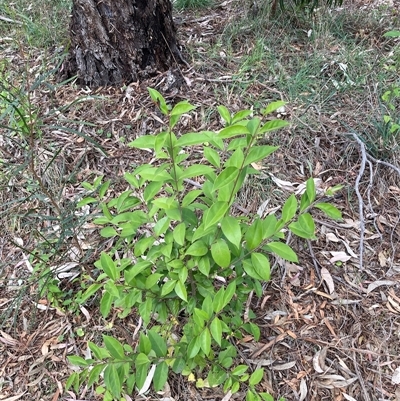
183	263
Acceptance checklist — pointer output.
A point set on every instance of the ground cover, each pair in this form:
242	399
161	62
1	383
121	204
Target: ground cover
330	324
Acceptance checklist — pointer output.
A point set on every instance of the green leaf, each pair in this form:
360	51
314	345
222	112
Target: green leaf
229	293
282	250
256	376
144	344
215	213
232	130
193	138
143	142
94	374
227	176
254	235
168	287
108	232
218	301
273	106
207	306
112	289
241	115
78	361
224	113
73	381
261	265
180	290
160	376
232	231
304	227
91	290
141	373
205	341
112	381
152	280
220	253
179	233
157	343
258	153
310	189
195	171
392	34
216	330
157	98
114	347
105	304
330	210
182	108
269	226
204	265
108	265
240	370
268	397
289	208
193	347
273	125
142	359
99	353
198	248
161	225
190	197
151	190
212	156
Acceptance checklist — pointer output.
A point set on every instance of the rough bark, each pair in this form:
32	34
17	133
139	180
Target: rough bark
115	42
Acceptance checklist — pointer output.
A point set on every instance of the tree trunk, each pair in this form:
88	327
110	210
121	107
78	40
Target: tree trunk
115	42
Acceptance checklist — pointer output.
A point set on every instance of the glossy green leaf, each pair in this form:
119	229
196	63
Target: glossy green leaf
180	290
212	156
304	227
179	233
273	125
158	344
157	98
114	347
192	138
112	381
205	341
232	231
215	213
227	176
91	290
258	153
282	250
160	376
289	208
256	376
198	248
220	253
162	225
269	226
108	232
229	293
216	330
195	171
310	189
190	197
111	288
224	113
232	131
330	210
218	301
151	190
261	265
99	352
168	287
143	142
193	347
144	344
78	360
254	235
95	373
241	115
108	266
182	108
273	106
240	370
105	304
204	265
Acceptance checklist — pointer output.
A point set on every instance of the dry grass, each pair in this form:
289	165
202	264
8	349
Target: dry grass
330	330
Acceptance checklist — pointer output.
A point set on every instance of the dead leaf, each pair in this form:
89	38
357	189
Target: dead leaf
339	257
326	276
331	237
396	376
382	259
378	283
15	397
284	366
303	389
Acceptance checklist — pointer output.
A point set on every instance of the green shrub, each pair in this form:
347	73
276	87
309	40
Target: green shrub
183	262
193	3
